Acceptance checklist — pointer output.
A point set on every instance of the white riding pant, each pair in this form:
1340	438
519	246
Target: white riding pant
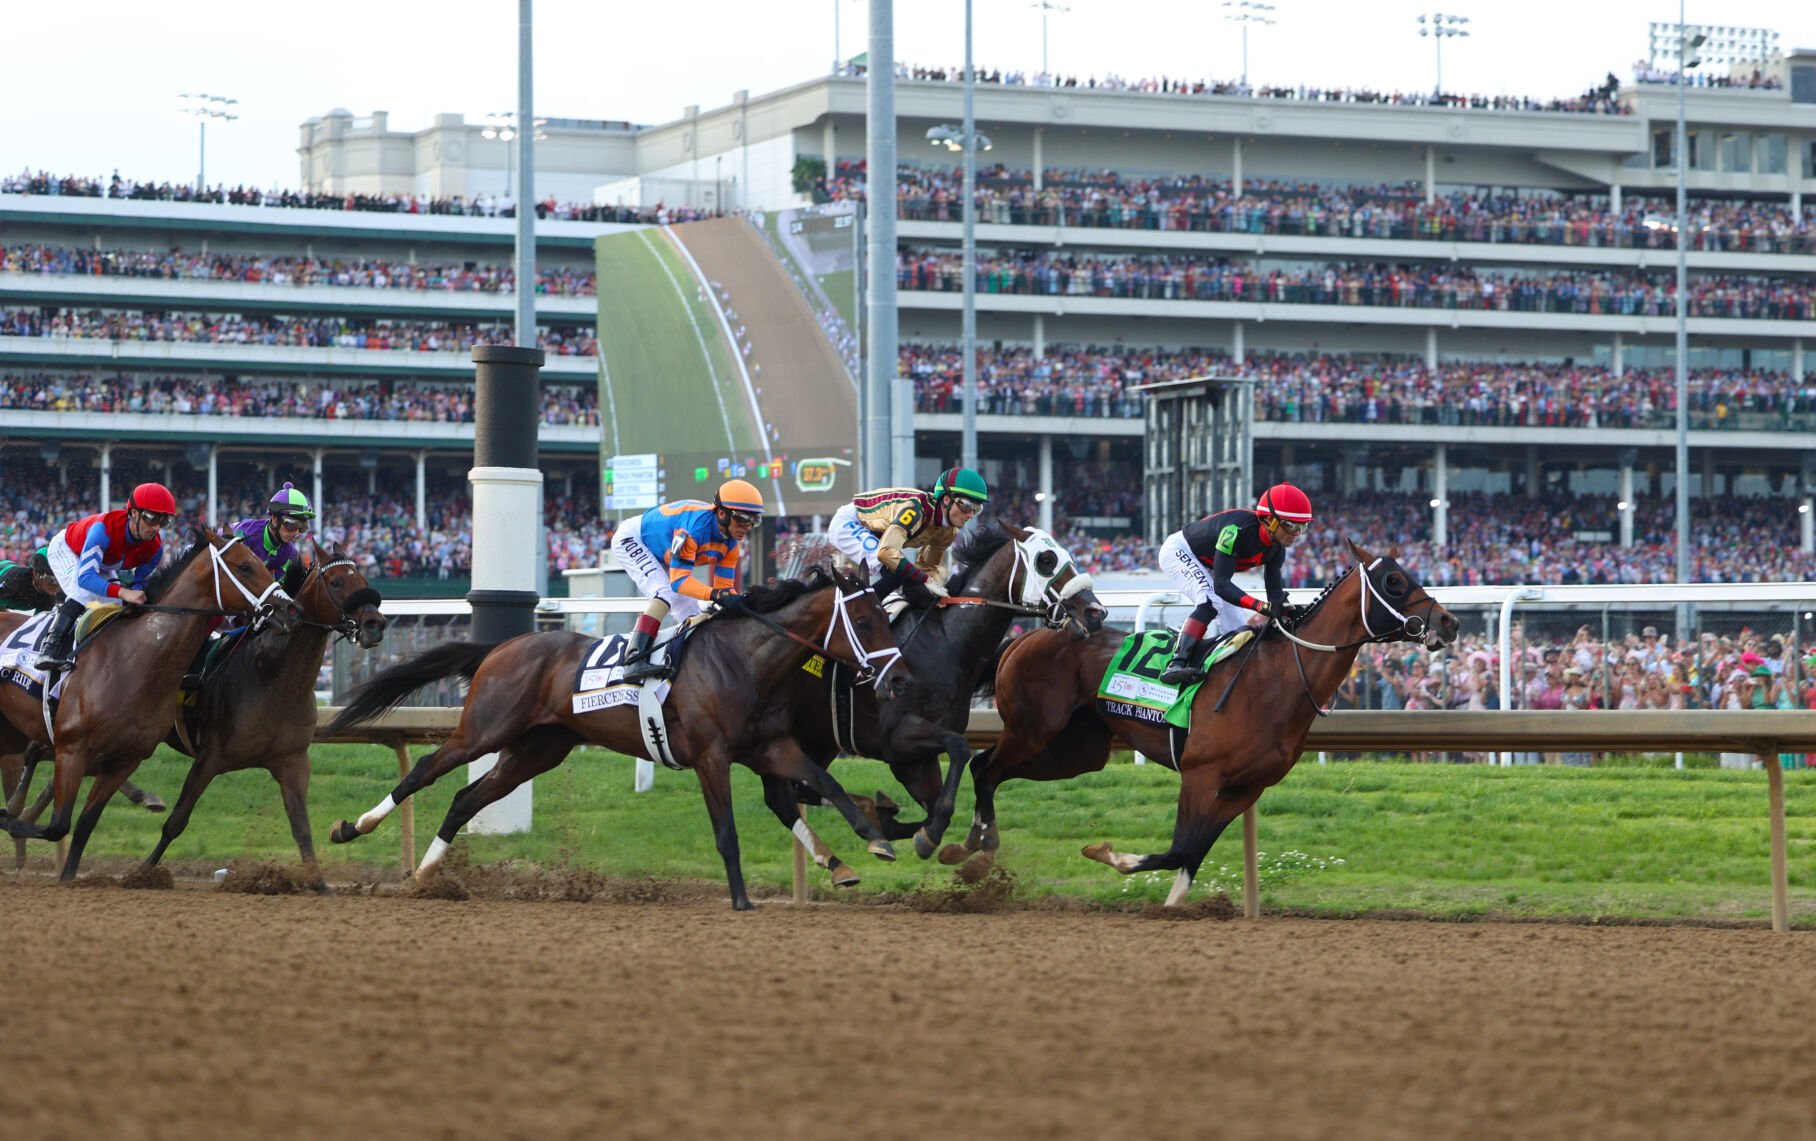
63	562
1193	579
855	541
648	572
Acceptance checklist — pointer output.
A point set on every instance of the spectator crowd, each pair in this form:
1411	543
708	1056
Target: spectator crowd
298	332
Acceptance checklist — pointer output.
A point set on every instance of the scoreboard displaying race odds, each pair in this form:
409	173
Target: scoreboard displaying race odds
634	483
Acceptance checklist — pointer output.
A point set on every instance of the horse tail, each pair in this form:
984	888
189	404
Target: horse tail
389	687
986	683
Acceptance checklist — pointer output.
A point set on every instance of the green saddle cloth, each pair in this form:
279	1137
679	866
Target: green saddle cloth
1131	685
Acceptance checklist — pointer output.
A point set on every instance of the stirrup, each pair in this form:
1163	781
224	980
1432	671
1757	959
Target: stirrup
1181	673
645	667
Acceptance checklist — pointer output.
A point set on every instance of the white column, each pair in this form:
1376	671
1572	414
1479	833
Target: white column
1614	197
1440	495
1796	203
422	492
106	476
1040	336
1238	342
318	500
826	146
1040	133
1620	356
1236	166
1431	348
1796	358
1708	476
1806	521
1046	483
1431	174
1626	504
214	485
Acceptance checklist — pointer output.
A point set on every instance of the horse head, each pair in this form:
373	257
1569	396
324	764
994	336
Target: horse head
1396	608
338	595
231	577
859	619
1051	580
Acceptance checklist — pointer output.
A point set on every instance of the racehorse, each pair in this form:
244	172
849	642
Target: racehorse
1008	573
520	705
1240	742
259	709
122	695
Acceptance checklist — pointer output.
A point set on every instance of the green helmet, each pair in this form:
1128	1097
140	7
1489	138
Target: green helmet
961	481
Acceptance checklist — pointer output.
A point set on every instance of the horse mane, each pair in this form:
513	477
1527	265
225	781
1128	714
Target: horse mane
769	599
167	573
1333	584
973	548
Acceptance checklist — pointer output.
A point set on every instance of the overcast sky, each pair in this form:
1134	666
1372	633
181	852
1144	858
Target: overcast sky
90	86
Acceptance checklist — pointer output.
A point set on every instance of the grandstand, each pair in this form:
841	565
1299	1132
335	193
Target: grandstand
1460	302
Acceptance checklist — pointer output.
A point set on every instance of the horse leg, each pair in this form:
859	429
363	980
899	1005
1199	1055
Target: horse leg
913	752
780	796
1083	747
144	798
714	772
292	776
431	768
106	784
785	758
1205	810
195	782
531	755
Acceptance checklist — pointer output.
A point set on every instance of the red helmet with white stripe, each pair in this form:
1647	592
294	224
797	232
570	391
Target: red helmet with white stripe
1284	501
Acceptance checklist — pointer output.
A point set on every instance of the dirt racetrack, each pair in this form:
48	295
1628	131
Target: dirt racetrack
198	1013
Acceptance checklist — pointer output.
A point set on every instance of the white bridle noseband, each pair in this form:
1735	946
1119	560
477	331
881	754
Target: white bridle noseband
265	600
840	618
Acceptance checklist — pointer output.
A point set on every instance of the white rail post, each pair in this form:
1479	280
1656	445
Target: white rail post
1507	649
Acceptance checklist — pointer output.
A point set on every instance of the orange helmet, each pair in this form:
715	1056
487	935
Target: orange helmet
741	496
1284	501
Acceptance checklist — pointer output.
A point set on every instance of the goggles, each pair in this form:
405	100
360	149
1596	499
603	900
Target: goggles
1290	526
969	506
743	517
154	518
296	521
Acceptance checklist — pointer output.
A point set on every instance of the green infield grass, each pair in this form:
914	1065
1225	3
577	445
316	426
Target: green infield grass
1456	841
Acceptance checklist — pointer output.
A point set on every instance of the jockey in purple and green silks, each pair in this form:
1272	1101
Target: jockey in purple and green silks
275	537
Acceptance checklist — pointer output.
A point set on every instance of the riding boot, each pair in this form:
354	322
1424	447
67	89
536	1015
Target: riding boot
59	646
639	663
1182	670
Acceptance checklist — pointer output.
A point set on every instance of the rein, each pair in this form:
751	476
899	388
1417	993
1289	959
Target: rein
864	673
261	601
347	627
1411	626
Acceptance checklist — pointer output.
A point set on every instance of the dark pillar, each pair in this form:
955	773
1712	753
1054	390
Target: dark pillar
507	491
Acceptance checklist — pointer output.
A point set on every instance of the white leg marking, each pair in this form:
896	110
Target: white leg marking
1182	883
370	820
811	842
432	857
1124	862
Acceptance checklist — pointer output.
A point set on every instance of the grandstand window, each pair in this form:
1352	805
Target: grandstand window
1808	151
1701	150
1769	154
1803	89
1736	152
1664	156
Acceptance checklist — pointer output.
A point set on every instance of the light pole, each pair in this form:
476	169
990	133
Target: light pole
205	107
502	125
967	139
1045	6
1246	12
1440	27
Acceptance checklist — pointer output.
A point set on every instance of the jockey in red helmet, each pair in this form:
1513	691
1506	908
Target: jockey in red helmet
90	556
1227	542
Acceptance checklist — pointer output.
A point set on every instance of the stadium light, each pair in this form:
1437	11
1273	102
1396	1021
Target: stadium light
1688	41
1045	7
1246	12
503	125
205	107
1439	29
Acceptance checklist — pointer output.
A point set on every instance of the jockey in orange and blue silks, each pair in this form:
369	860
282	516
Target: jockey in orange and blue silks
91	555
663	547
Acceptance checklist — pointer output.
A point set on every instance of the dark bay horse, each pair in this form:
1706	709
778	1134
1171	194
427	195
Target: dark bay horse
520	705
1009	574
122	694
258	711
1052	729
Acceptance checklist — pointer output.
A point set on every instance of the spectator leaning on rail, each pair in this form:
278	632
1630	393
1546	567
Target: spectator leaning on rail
89	556
1229	541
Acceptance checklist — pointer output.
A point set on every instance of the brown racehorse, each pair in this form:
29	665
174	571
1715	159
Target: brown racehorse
520	705
258	710
121	696
1052	729
1009	574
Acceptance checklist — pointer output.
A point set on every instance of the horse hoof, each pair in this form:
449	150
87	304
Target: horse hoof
882	850
343	832
153	803
843	875
885	805
976	868
924	846
954	854
743	905
1101	852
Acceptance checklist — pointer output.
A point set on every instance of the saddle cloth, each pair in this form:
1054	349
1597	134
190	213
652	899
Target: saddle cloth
599	679
19	657
1131	685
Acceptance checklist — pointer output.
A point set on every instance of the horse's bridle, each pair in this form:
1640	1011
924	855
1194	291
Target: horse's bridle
1036	589
1411	628
263	604
862	669
348	626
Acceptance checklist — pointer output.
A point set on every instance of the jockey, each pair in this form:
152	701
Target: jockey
275	537
89	556
1227	542
876	525
29	585
661	548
